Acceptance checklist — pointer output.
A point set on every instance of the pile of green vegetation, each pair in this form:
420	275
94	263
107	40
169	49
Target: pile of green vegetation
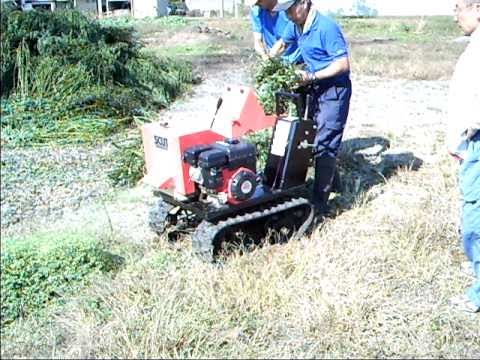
39	269
271	77
68	79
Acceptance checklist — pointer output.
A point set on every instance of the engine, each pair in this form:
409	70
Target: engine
224	171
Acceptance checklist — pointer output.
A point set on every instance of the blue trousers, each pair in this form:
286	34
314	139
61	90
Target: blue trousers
331	104
469	179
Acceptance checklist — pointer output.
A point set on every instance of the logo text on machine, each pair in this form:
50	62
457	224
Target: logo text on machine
161	142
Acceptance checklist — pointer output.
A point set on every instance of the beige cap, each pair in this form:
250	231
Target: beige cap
284	5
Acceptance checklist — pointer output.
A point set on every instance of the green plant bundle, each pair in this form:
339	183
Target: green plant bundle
128	161
261	139
270	77
37	270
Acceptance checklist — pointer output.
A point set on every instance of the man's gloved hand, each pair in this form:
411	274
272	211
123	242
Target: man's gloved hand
305	77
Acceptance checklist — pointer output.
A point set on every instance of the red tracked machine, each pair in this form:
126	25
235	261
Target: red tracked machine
207	179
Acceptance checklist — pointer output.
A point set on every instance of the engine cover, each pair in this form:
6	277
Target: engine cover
212	166
241	186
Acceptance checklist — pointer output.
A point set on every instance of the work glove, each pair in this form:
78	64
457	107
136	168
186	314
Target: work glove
304	77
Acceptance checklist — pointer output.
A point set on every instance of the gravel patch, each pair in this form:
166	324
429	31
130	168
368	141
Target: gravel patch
408	113
43	182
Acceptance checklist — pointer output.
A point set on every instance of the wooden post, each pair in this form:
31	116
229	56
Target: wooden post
222	8
107	10
99	8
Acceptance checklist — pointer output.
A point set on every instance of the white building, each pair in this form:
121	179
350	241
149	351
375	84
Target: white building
89	6
149	8
209	5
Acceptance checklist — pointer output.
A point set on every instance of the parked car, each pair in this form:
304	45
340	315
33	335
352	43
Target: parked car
17	4
177	8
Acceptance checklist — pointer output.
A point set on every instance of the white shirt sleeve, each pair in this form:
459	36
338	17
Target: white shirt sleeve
464	98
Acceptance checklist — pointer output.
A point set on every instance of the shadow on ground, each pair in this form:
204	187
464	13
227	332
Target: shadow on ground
366	162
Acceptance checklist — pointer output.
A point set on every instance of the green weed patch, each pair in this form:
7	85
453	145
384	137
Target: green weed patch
151	25
41	268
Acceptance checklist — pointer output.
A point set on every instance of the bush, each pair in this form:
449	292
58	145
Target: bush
39	269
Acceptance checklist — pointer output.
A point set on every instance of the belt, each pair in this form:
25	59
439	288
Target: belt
342	81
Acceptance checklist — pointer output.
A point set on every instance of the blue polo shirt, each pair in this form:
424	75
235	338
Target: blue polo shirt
272	25
321	44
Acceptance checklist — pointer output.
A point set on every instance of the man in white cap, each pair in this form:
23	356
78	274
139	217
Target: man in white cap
268	25
464	142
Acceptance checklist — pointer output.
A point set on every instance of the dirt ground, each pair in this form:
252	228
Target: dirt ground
406	113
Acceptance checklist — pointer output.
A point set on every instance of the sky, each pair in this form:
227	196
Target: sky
393	7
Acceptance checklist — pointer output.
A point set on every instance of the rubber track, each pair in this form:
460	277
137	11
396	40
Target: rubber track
157	218
204	237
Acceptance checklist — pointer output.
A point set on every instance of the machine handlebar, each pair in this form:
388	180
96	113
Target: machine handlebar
300	100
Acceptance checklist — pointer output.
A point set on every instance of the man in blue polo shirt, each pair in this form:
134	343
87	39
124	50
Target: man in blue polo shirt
268	27
325	53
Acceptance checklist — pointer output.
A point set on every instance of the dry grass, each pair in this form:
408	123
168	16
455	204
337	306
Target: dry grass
416	61
374	282
400	48
406	48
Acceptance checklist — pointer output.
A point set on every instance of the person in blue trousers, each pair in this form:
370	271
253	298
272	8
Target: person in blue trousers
268	26
470	188
325	53
464	142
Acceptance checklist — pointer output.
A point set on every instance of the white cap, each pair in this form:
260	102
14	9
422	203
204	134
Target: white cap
283	5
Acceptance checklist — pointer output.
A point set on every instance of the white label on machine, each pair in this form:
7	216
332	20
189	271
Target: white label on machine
280	139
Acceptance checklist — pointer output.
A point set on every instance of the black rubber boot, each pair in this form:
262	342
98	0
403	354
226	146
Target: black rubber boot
322	184
337	185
